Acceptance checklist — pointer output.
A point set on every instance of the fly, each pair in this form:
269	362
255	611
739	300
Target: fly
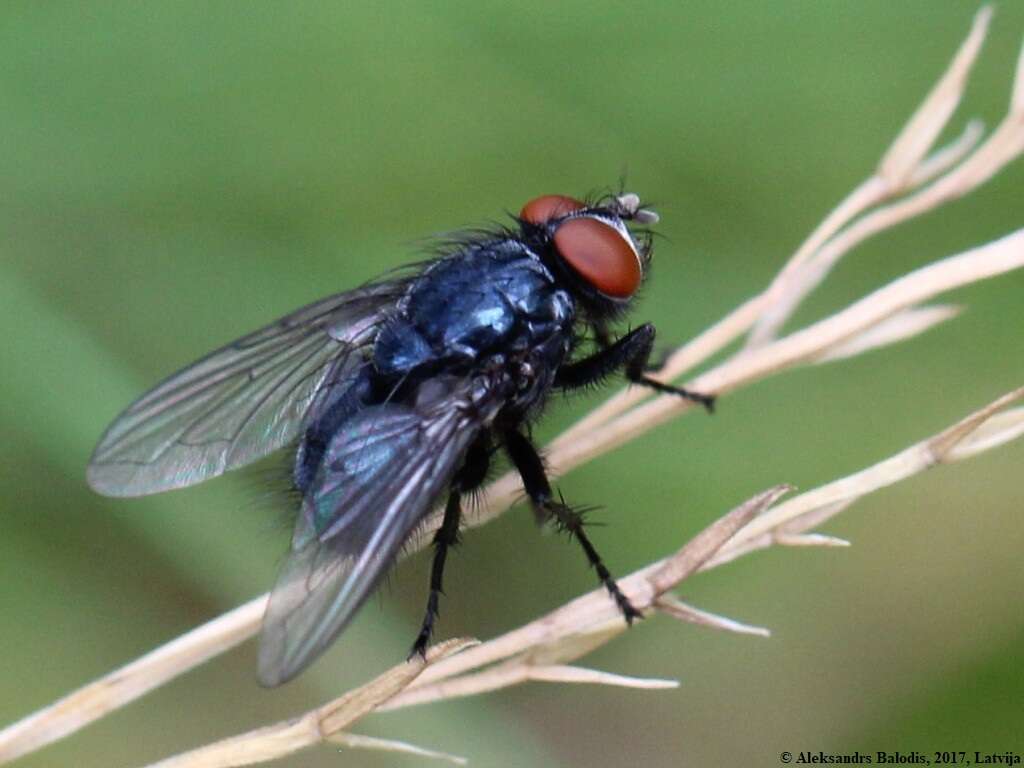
395	397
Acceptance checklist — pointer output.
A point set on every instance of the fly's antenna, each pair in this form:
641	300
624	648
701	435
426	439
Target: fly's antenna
628	204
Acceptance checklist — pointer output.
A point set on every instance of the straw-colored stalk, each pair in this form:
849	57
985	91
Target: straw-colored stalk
911	179
544	649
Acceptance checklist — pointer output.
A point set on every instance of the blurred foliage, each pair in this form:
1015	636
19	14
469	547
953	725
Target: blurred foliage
175	174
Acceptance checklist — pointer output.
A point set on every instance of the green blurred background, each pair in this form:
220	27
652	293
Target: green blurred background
174	175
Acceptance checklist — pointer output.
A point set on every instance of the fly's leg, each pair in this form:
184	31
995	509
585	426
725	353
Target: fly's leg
470	476
602	336
447	536
527	461
630	353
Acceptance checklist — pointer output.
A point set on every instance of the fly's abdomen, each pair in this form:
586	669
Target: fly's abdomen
336	407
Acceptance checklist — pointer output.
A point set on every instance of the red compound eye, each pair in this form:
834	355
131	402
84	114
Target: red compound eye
542	209
600	255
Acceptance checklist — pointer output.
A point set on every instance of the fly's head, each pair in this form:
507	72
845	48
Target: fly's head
591	247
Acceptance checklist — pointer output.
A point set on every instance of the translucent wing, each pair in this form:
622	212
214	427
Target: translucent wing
381	476
241	402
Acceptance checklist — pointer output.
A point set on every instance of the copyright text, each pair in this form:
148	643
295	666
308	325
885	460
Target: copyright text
901	758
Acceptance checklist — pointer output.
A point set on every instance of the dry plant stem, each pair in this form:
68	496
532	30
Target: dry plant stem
314	727
131	681
591	620
539	650
1001	148
760	310
987	261
874	190
950	155
548	641
672	606
582	624
904	167
898	327
357	741
916	139
984	429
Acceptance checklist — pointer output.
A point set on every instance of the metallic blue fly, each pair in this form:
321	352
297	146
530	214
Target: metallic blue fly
395	397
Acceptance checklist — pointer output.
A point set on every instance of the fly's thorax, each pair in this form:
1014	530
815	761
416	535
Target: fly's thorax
495	297
400	348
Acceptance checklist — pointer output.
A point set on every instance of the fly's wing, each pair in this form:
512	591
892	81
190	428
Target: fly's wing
381	476
241	402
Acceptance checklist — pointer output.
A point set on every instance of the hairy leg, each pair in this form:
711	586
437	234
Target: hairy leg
469	477
527	461
631	354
